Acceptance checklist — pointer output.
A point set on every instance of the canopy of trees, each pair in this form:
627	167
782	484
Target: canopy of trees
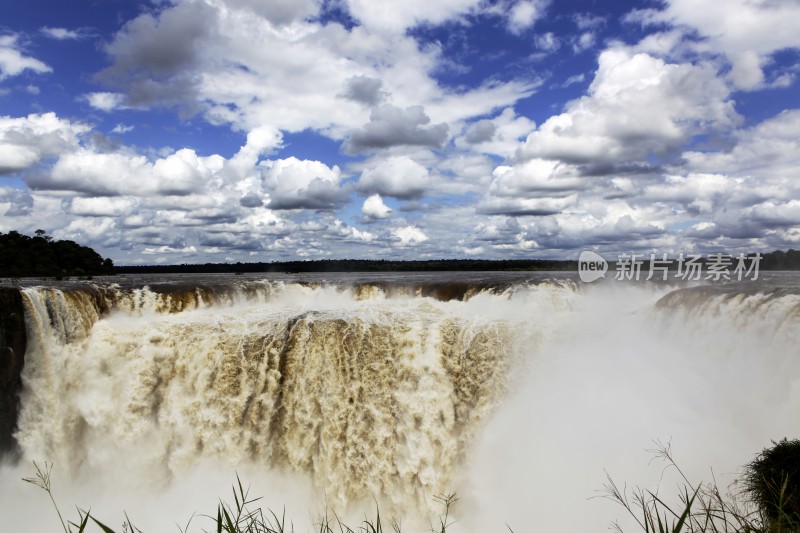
24	256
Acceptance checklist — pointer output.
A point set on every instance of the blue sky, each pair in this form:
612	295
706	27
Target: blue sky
245	130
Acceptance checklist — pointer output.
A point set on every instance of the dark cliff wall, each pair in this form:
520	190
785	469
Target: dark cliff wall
12	359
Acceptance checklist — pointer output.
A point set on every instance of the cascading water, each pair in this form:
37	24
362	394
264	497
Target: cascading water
515	394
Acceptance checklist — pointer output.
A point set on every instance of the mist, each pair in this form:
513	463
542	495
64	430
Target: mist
333	397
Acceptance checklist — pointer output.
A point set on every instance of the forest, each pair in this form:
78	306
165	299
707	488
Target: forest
40	255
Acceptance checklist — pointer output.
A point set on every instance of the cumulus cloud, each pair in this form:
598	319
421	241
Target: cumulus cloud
280	11
25	141
396	17
769	150
169	250
480	132
234	65
13	60
409	235
15	203
84	169
637	106
500	135
101	206
374	208
152	54
392	126
650	157
176	202
744	31
105	101
525	206
111	174
396	176
364	89
535	177
251	200
524	14
300	184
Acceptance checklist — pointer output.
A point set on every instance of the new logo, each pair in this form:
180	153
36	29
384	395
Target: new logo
591	266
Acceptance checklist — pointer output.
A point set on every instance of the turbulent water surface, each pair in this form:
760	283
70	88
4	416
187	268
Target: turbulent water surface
515	390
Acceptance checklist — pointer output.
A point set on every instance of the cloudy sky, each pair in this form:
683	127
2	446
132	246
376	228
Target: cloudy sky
176	131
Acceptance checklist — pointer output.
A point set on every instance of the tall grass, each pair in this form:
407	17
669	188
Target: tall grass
242	515
766	499
761	501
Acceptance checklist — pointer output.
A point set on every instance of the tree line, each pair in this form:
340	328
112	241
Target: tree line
355	265
40	255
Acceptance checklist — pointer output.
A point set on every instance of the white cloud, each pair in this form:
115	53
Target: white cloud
747	70
342	231
534	177
548	42
572	80
396	17
588	21
300	184
374	207
62	34
13	61
392	126
181	57
127	173
637	106
14	203
747	32
621	166
86	171
280	11
769	150
169	250
121	129
102	206
584	41
523	15
409	235
105	101
25	141
397	176
499	135
542	206
87	229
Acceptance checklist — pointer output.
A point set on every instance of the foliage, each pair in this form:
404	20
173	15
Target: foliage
780	260
768	503
358	265
777	260
703	507
24	256
772	482
242	516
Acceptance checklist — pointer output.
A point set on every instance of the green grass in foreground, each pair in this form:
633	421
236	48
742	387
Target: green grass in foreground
241	516
765	500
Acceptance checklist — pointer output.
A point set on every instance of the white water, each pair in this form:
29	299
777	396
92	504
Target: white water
517	401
